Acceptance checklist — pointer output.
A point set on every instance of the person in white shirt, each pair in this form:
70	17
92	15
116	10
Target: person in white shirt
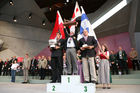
14	67
71	47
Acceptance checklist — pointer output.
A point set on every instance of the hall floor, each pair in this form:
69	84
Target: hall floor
41	88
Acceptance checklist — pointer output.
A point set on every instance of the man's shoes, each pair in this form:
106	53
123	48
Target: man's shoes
104	88
53	82
75	74
24	82
86	81
93	81
59	81
108	87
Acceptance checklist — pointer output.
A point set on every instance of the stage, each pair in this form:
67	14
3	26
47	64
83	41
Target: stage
41	88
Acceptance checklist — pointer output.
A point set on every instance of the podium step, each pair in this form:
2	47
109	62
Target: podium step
70	79
70	88
70	84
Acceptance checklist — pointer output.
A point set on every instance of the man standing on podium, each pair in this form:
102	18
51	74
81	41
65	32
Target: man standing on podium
87	46
57	59
71	46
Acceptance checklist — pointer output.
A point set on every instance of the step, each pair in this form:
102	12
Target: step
126	81
135	72
70	88
129	76
70	84
70	79
19	79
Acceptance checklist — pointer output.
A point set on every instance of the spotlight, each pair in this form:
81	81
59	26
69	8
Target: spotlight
11	2
67	1
30	16
43	23
50	9
14	19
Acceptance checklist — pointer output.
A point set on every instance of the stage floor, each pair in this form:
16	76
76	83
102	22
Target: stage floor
41	88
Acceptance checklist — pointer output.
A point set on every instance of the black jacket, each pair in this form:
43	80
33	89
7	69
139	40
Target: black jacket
91	42
124	55
74	37
58	52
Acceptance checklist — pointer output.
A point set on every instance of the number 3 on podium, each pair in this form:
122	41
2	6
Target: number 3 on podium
85	88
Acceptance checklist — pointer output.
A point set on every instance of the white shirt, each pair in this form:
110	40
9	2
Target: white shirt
107	53
120	54
85	37
70	42
14	66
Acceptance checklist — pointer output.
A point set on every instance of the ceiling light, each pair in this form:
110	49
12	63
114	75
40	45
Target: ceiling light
43	23
67	1
11	2
50	9
30	16
14	19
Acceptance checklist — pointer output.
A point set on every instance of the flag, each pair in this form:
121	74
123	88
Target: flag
85	24
58	27
76	14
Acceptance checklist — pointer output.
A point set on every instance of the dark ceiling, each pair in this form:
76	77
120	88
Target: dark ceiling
66	9
3	2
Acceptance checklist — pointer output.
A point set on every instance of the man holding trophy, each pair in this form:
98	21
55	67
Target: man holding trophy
71	46
56	47
87	46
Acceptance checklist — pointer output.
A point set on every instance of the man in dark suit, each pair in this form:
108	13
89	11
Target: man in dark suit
13	59
8	68
71	45
33	67
122	59
87	46
114	63
57	59
1	65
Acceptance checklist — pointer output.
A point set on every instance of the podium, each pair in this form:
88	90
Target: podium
70	84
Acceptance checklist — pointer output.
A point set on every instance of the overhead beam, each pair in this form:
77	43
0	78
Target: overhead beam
110	13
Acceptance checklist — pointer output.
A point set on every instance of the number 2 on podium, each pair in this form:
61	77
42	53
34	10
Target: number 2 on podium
53	88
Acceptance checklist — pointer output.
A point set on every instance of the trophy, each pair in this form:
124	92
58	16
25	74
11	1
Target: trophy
52	42
69	23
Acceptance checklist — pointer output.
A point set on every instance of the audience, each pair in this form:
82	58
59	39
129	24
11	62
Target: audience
134	58
122	60
13	70
42	63
113	62
42	66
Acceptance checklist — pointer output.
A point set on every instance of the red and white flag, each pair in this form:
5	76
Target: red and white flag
76	14
58	27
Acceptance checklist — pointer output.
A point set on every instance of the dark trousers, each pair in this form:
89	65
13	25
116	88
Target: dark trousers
33	71
123	66
57	68
114	69
13	75
5	72
42	73
135	64
0	71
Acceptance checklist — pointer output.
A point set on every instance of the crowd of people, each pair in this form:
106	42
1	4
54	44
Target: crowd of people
36	66
79	58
